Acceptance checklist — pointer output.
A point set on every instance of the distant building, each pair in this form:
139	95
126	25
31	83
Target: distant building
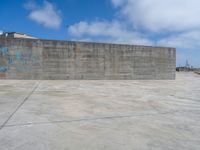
184	69
16	35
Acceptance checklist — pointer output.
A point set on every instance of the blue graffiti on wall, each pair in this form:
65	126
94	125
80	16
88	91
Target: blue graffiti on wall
3	50
3	69
10	60
23	60
19	55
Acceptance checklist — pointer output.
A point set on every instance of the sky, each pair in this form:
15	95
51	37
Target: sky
169	23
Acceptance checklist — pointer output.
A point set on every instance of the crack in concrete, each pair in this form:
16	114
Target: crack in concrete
91	119
19	106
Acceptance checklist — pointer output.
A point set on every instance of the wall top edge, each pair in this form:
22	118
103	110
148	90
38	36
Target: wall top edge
83	42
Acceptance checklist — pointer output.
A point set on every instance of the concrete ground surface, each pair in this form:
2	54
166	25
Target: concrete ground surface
96	115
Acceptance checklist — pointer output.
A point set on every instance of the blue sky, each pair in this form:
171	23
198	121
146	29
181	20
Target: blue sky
173	23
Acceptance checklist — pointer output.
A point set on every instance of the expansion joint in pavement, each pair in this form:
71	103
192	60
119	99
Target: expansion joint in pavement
19	106
93	119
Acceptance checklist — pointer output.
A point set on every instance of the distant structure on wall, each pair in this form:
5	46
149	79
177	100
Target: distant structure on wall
15	35
26	57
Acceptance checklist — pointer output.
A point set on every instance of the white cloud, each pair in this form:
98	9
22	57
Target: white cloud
111	31
179	17
46	15
186	40
158	15
118	2
1	32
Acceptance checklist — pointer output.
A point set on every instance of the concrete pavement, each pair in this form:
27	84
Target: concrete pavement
95	115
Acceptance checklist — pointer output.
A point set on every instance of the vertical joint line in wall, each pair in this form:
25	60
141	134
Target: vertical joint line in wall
133	60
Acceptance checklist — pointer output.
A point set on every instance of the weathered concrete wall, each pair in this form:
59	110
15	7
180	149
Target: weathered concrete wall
47	59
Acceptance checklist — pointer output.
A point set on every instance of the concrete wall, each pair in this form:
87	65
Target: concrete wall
47	59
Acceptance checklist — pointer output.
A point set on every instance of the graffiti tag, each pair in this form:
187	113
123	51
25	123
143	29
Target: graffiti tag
18	56
3	69
10	60
3	50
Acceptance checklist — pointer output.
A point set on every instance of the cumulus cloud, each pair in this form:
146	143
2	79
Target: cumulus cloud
157	15
111	31
186	40
46	15
1	32
152	16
